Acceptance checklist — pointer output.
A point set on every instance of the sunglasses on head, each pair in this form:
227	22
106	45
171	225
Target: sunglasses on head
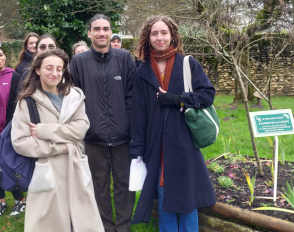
43	47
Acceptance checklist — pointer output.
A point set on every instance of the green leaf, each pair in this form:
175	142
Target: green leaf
275	208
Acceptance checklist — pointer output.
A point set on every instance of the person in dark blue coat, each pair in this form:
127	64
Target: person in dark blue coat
176	171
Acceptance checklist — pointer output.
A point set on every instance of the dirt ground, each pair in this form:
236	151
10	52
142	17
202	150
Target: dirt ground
238	194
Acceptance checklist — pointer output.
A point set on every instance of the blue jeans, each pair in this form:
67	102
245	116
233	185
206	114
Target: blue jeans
169	222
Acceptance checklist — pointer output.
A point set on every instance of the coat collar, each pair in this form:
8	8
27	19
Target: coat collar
70	104
147	73
28	56
44	100
101	57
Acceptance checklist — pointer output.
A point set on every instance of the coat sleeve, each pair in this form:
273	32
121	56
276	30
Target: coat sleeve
139	119
131	74
22	141
72	132
203	91
74	72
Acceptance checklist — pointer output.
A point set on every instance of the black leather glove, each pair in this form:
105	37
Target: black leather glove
169	99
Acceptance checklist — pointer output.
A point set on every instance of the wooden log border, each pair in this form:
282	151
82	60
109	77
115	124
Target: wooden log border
246	217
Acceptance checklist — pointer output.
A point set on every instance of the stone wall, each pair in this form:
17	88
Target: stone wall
222	75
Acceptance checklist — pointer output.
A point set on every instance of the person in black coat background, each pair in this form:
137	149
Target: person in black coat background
176	171
8	92
27	53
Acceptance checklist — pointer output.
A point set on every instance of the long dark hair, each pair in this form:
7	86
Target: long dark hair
33	82
24	47
144	47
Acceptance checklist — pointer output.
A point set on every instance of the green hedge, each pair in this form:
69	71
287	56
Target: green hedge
130	44
12	50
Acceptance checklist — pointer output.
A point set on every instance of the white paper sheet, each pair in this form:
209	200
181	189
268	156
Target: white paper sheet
138	174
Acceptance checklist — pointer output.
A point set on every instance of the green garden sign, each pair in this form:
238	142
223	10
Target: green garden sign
272	122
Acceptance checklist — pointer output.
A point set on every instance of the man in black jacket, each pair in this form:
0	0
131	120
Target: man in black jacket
106	77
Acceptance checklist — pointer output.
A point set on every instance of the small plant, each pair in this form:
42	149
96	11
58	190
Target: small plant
289	196
271	166
216	168
266	204
225	182
283	151
269	183
251	184
231	200
239	188
237	159
212	166
237	148
226	144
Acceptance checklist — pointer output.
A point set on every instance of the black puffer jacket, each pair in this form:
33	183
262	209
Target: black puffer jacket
107	81
28	57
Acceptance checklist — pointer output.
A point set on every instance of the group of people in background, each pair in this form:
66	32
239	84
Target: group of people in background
120	112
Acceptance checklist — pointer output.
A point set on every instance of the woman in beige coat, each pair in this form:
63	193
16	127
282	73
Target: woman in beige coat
61	190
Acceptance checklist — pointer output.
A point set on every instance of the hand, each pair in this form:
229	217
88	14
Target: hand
33	128
64	149
139	159
168	99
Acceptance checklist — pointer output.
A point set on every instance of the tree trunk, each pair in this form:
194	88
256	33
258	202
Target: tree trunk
259	166
245	66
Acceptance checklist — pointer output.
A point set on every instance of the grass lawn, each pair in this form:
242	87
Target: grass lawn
235	126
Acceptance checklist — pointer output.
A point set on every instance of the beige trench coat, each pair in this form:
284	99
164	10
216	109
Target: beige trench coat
61	190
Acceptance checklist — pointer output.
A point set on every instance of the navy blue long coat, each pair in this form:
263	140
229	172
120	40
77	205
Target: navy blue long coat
187	184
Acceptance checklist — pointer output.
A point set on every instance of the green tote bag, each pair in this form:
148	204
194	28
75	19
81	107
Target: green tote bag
203	123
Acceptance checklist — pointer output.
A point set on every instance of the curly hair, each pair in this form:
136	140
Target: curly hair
144	46
32	82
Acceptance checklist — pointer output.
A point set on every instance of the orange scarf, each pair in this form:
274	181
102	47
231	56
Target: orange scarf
169	56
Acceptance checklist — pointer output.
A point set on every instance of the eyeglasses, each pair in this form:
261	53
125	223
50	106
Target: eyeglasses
50	69
43	47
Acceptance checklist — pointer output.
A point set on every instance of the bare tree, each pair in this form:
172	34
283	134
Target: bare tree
231	27
8	11
138	10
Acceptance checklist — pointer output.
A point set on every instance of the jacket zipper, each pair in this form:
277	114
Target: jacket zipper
106	102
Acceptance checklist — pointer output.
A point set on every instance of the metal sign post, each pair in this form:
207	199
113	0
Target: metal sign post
273	123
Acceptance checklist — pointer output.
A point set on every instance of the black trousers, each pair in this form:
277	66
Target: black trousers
16	194
103	161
